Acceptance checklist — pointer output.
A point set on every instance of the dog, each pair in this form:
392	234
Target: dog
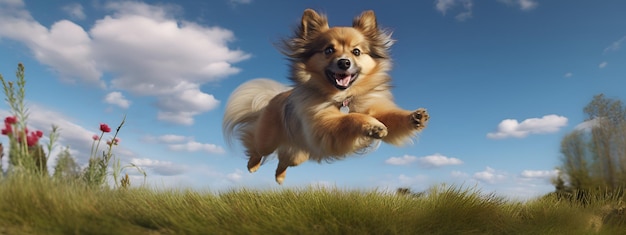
340	101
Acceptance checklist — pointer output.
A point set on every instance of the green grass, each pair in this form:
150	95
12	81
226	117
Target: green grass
41	206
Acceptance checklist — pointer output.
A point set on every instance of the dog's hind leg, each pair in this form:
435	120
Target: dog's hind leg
288	157
267	135
254	162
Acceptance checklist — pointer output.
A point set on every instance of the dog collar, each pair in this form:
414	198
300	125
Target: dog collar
345	105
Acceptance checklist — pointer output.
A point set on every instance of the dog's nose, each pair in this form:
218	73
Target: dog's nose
344	64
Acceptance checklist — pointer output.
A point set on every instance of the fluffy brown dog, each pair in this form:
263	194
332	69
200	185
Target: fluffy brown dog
340	101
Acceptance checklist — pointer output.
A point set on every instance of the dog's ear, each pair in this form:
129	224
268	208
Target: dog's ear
312	23
366	22
380	39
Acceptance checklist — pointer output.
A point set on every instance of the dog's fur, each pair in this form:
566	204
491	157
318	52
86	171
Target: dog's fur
330	67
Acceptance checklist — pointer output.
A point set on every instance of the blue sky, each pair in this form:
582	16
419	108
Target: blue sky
503	81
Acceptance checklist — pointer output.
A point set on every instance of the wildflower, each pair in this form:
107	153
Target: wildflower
32	139
95	137
39	133
7	129
10	120
105	128
113	141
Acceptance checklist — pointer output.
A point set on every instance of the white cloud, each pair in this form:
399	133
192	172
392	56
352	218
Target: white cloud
489	175
164	168
174	138
524	5
444	5
149	52
615	46
431	161
404	160
438	160
235	176
568	75
603	64
183	144
193	146
538	174
75	10
188	102
118	99
512	128
65	46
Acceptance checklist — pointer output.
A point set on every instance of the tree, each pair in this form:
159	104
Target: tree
594	157
66	167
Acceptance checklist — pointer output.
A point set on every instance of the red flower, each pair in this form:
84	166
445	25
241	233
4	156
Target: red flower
7	129
32	139
95	137
105	128
10	120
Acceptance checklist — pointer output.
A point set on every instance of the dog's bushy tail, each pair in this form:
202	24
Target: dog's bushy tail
245	105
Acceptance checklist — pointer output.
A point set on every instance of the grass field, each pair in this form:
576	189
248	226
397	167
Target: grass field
41	206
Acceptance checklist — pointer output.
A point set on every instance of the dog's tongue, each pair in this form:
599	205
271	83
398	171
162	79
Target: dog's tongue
343	79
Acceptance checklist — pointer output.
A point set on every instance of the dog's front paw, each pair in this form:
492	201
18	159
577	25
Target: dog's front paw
419	118
377	131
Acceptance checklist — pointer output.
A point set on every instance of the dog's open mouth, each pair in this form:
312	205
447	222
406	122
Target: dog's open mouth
341	80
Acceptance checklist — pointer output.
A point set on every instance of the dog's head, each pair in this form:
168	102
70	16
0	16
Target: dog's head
339	56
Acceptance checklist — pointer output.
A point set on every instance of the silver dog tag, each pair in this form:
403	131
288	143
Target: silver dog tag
344	109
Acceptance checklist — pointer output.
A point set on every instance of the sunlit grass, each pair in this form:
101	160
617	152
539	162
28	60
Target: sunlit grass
44	206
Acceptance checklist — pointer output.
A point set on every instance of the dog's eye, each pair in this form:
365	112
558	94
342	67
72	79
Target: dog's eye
356	51
329	50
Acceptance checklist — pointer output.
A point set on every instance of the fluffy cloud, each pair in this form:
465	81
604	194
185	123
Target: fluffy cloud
184	144
489	175
524	5
146	49
404	160
535	174
603	64
193	146
116	98
168	139
444	5
65	46
75	10
438	160
431	161
512	128
235	176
